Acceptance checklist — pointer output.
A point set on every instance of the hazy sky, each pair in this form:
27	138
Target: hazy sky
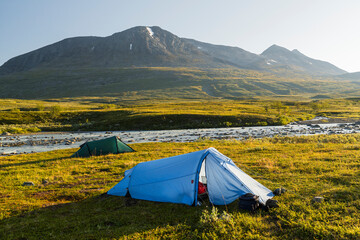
322	29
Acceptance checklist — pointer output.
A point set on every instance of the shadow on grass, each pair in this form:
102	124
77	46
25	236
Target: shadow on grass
102	216
32	162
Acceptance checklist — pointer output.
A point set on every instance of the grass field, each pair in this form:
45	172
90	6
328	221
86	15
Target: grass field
21	116
67	202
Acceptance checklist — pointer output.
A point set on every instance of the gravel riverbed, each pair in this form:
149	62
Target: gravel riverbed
30	143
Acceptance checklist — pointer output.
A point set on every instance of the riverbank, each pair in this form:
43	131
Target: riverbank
19	144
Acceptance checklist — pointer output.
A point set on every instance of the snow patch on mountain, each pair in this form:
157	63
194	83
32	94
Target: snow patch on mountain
151	33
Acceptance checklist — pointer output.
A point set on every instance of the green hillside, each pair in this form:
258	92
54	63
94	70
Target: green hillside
169	83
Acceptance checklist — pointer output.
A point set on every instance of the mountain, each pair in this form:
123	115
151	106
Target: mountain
149	62
138	46
294	59
154	47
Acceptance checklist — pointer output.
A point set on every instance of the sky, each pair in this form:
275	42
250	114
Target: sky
327	30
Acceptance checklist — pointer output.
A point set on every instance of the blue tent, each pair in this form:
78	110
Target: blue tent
175	179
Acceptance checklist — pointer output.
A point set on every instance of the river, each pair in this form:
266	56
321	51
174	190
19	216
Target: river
30	143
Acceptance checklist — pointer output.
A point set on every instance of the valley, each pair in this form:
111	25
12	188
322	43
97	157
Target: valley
167	95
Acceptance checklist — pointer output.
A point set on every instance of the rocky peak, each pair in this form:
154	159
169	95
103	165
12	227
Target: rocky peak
274	49
300	62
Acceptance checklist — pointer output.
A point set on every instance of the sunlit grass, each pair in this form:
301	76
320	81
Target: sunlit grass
21	116
70	204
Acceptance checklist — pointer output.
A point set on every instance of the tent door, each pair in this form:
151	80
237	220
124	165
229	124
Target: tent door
202	193
202	174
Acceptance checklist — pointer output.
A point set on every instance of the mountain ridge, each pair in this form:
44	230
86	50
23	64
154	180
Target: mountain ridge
143	46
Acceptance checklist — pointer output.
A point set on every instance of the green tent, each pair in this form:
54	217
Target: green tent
102	147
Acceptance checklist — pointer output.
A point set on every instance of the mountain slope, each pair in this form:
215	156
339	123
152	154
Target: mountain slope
277	56
149	62
232	55
165	83
138	46
350	76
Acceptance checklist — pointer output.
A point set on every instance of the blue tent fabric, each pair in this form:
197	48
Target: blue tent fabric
121	188
175	179
226	182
